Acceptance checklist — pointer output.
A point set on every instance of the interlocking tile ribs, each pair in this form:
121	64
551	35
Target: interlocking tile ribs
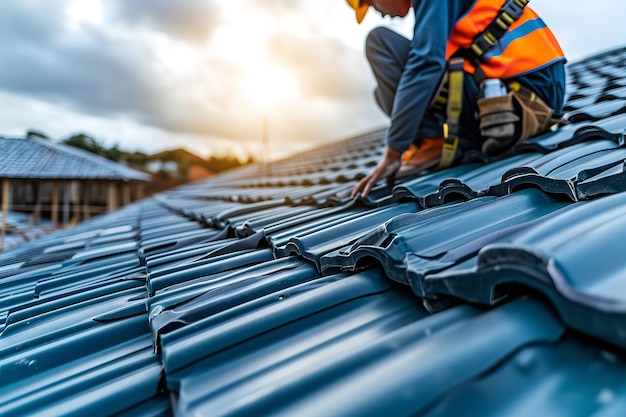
573	258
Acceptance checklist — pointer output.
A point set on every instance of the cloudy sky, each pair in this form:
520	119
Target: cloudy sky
201	74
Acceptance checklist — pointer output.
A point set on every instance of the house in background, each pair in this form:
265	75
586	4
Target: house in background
175	167
180	164
61	183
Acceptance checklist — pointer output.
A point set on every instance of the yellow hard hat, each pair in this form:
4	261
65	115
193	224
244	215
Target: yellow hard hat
360	9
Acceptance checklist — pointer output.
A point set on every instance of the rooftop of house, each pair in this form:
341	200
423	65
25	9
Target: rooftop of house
35	158
491	288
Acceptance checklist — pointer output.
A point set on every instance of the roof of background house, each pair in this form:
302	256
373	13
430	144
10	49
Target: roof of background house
43	159
485	289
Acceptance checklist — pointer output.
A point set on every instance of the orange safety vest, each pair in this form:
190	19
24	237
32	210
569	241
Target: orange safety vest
527	45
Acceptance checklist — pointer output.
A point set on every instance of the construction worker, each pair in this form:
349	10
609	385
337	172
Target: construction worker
409	76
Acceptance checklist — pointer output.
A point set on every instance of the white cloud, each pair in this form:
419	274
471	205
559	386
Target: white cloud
191	21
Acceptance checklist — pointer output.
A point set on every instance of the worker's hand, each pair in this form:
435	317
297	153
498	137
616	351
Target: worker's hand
386	168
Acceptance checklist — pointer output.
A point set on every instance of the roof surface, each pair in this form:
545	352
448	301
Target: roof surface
42	159
493	288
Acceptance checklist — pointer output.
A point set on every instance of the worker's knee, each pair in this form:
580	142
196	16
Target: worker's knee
378	35
378	40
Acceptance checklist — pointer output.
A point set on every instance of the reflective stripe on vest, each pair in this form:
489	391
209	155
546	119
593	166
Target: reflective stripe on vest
527	45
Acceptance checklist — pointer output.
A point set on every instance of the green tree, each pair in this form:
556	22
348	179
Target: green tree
36	134
114	153
85	142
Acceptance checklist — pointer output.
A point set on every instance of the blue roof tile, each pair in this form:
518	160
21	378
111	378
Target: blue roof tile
422	236
579	267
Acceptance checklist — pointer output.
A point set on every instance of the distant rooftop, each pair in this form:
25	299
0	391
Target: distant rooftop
38	158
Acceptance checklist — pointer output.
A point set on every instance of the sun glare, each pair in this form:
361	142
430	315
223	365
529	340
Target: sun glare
85	11
264	84
269	85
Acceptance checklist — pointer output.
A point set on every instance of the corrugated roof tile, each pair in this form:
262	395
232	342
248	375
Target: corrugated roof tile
556	261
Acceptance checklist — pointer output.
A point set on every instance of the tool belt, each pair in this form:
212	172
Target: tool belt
512	118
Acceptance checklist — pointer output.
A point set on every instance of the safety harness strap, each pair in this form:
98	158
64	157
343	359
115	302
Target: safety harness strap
486	40
453	109
483	42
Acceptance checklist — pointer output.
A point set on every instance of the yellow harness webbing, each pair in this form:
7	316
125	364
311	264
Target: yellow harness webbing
453	109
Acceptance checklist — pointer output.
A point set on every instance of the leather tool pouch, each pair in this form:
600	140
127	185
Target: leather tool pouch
510	119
